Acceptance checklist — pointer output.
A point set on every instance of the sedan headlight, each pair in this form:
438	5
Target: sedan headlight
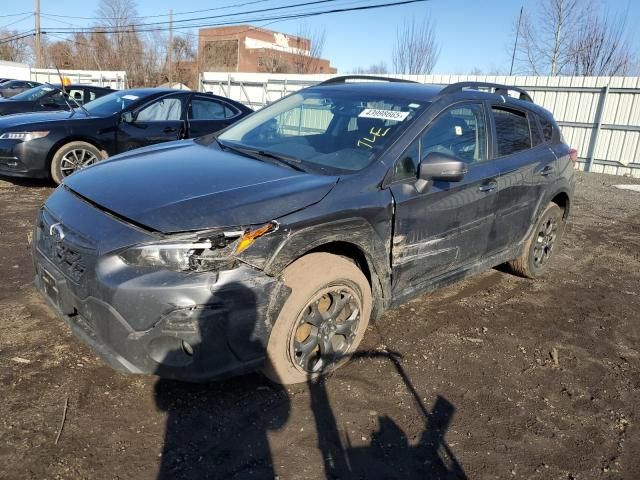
23	136
214	252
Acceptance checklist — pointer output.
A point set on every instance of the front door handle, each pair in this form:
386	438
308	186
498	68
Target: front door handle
546	171
489	186
170	130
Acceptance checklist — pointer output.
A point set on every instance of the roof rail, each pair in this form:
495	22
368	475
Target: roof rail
344	78
496	88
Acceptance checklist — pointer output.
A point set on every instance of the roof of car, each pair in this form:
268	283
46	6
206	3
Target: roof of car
420	91
78	85
416	91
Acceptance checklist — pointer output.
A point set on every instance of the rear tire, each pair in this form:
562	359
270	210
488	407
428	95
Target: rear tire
541	243
322	321
72	157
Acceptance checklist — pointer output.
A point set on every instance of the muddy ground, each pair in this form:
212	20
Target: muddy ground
459	383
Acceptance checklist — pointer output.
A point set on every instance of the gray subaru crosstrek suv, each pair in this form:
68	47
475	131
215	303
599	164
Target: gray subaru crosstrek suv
273	244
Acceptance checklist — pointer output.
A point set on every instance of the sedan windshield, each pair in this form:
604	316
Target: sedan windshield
337	131
33	94
113	103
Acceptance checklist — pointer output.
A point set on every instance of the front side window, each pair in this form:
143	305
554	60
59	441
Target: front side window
77	94
165	109
512	131
460	132
334	131
115	102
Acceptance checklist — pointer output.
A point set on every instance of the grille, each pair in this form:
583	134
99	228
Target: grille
71	253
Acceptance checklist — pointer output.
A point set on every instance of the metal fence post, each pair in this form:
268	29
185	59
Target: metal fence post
593	142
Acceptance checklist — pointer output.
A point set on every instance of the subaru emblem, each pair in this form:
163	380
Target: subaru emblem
56	232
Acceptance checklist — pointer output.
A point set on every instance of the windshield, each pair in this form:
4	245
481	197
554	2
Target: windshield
33	93
113	103
337	130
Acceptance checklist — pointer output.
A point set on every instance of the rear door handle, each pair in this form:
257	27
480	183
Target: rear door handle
170	130
546	171
489	186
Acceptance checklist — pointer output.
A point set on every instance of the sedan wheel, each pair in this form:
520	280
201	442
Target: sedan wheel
76	160
72	157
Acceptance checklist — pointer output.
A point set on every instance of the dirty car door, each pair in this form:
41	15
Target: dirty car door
162	120
527	166
446	225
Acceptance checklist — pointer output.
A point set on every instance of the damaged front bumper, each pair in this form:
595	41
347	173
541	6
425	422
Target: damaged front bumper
194	326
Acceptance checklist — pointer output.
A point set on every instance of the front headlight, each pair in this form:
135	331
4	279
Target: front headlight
23	136
209	252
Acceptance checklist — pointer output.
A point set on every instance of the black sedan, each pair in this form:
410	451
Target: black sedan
56	144
51	97
14	87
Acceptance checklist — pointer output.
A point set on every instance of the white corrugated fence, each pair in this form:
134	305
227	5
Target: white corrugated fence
599	116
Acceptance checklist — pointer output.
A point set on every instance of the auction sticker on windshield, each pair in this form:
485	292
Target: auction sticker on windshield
384	114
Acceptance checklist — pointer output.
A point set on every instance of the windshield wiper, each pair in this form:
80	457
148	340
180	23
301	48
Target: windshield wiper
284	159
257	154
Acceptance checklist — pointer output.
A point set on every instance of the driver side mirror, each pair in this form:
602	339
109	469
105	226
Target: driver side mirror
440	167
128	117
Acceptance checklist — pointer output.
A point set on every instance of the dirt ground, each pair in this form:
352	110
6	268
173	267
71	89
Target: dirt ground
494	377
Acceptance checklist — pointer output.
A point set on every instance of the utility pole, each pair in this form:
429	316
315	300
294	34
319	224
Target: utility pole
515	45
170	49
38	39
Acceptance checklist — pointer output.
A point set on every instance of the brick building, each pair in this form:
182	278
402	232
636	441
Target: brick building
244	48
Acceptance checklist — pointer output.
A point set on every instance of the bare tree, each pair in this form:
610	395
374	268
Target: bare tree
379	68
415	51
13	48
546	37
600	48
571	37
309	47
59	54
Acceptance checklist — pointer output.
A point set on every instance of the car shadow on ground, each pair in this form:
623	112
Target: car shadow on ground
221	429
28	182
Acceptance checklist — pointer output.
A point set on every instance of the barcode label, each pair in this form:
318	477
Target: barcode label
384	114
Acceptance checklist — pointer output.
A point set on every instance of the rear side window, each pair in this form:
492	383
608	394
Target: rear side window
547	129
512	131
536	133
205	109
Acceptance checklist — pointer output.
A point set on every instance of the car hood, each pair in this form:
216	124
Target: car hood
20	119
185	186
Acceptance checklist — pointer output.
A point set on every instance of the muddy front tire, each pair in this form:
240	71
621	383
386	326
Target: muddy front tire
322	321
541	244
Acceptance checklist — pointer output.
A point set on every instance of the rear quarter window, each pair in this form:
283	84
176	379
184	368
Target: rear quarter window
547	129
512	131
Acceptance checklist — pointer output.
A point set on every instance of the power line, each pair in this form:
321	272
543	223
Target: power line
15	14
236	5
29	15
271	19
19	36
212	17
106	30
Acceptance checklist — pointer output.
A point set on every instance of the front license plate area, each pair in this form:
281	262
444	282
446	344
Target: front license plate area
50	286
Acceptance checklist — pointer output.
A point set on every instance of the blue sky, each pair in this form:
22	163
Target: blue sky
472	34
